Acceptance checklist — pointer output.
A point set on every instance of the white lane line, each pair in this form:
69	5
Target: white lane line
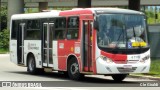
57	88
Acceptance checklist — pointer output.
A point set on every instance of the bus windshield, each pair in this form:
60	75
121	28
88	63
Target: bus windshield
122	31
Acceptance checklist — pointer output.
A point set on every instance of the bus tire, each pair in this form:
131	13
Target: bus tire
119	77
31	67
73	70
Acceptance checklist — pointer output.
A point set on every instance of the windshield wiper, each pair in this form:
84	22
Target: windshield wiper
119	38
134	34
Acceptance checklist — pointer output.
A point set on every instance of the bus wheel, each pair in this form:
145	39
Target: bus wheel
119	77
73	70
31	68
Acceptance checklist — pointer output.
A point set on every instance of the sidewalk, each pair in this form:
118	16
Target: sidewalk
144	77
1	55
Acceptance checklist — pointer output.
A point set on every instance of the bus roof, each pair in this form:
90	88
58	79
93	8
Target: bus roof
35	15
74	11
115	10
111	10
78	11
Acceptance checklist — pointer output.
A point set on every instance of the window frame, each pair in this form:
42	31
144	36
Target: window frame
60	28
37	30
74	28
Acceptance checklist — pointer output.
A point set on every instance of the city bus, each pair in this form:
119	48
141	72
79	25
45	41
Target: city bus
78	42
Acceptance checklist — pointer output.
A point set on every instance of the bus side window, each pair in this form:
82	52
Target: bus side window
14	29
60	28
73	27
59	34
33	30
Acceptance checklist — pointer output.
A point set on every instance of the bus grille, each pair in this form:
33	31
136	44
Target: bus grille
120	61
121	69
132	61
125	61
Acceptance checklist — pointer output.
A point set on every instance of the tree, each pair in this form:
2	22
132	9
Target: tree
4	39
3	14
4	33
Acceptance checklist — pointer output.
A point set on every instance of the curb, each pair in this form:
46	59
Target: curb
1	55
144	77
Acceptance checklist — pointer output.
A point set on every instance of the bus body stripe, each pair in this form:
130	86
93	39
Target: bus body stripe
114	56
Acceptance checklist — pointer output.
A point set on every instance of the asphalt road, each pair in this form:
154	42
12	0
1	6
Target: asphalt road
11	72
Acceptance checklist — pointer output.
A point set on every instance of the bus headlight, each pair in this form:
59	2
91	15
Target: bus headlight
144	59
108	60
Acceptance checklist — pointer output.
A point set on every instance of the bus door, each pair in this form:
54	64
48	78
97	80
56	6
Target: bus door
87	44
47	44
20	43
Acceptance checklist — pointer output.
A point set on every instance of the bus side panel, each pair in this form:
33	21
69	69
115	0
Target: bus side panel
33	46
62	50
13	51
55	55
65	49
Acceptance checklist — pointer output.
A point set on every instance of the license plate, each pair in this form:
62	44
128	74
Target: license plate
127	66
133	57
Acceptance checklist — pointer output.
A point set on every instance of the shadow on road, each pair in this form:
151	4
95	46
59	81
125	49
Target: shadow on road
87	79
44	75
64	81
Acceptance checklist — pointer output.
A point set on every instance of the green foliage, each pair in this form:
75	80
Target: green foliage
4	39
155	67
150	14
151	17
3	51
4	33
3	14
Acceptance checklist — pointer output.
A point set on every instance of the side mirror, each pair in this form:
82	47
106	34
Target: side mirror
96	26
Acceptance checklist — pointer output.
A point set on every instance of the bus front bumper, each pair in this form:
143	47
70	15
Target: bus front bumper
112	68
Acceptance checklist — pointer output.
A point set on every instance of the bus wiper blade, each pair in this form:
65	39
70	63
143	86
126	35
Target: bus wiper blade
118	39
134	33
116	44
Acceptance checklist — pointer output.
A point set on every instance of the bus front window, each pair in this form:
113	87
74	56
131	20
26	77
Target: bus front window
121	31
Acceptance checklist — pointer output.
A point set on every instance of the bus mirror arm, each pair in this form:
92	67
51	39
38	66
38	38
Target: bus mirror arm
96	24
